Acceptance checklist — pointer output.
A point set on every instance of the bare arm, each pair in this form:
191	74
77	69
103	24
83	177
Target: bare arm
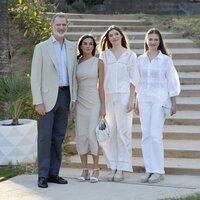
173	99
130	105
101	88
137	111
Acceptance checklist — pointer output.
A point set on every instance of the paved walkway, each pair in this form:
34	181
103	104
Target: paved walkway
24	187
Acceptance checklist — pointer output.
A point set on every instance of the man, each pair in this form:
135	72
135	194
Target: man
52	74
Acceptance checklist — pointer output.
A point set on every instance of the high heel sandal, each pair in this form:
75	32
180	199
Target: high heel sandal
95	176
85	175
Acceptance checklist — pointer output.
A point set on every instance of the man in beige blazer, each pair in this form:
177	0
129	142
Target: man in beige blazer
52	75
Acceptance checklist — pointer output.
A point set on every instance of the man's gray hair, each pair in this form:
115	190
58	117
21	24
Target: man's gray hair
62	15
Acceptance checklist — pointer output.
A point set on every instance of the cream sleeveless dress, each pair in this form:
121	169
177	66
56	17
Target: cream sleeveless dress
87	106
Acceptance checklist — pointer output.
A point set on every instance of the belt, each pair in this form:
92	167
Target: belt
63	87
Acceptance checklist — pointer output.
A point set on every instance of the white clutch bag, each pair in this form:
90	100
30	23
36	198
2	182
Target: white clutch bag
167	108
102	131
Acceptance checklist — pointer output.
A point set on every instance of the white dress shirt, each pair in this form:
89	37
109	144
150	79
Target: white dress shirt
158	78
62	62
119	73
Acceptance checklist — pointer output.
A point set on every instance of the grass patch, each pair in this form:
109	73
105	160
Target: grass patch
9	172
14	170
191	197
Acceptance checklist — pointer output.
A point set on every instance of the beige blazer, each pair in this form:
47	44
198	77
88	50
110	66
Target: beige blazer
44	73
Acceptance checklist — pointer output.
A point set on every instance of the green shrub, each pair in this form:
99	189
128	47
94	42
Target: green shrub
79	6
16	94
93	2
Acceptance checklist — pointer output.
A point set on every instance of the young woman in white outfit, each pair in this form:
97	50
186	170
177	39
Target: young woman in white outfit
158	82
121	76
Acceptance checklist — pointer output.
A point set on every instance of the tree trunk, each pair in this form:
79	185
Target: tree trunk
4	44
4	41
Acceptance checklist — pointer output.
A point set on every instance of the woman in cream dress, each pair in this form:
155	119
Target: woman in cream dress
90	104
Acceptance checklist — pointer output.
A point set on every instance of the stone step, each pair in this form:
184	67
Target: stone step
175	132
187	65
170	132
138	43
190	90
102	16
173	148
178	53
170	43
184	166
108	22
188	103
189	77
183	117
133	32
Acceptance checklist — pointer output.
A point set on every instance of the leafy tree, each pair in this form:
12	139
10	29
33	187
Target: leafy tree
31	16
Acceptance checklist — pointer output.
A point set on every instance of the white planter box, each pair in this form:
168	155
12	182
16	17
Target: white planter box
18	144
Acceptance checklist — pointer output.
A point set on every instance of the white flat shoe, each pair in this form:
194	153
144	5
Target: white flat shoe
110	176
155	178
145	177
119	176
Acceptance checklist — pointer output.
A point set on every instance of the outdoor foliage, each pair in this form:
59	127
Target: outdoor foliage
10	170
87	2
190	197
16	93
93	2
188	26
31	17
78	5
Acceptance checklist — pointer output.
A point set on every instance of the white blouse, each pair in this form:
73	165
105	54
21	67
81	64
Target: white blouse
158	78
119	73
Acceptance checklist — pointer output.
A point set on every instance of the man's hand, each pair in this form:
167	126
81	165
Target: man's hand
40	109
72	106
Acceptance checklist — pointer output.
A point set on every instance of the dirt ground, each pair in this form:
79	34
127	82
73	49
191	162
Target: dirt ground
21	50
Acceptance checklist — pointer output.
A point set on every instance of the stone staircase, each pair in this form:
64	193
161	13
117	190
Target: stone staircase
182	131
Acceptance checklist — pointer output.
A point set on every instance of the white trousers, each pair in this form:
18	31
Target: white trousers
152	122
118	149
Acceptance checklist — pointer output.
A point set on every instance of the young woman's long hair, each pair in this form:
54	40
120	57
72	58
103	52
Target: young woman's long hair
161	46
80	41
106	44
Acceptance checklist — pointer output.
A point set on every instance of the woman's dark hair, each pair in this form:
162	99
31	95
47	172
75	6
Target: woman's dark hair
80	41
161	46
105	43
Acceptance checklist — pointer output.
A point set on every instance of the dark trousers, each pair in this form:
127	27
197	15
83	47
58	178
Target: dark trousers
51	132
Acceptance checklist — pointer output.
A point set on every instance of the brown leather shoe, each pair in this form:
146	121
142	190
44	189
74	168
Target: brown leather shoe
42	182
57	179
